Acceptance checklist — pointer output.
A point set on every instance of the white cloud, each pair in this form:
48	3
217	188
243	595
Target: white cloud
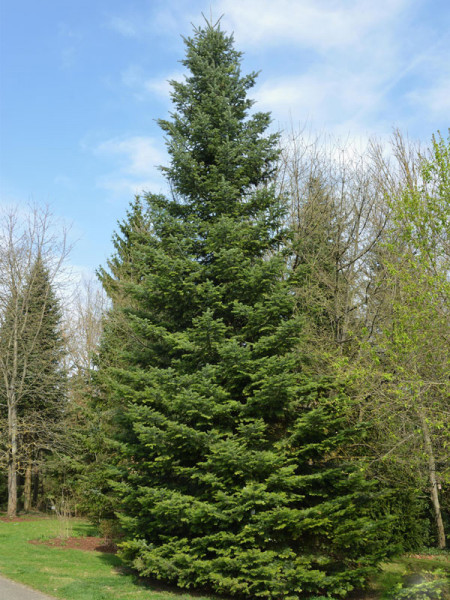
126	187
137	160
170	20
438	98
318	24
357	61
434	99
357	64
143	86
431	95
137	155
344	58
329	96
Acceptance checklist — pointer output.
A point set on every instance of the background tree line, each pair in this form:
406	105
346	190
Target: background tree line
261	406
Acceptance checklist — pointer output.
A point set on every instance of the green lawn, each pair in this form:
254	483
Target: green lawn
69	574
79	575
424	576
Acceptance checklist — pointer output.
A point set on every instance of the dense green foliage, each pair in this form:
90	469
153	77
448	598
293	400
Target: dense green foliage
229	470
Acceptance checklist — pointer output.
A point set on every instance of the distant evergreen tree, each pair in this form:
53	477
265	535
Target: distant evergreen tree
34	378
228	469
315	266
43	345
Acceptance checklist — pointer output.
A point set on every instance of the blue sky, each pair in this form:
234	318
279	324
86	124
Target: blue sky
83	81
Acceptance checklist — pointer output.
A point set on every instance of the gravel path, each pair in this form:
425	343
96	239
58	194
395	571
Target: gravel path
10	590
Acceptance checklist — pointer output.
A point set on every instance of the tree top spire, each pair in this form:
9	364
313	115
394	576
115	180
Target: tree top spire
209	22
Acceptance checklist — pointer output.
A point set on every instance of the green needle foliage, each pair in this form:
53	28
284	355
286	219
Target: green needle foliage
229	472
42	347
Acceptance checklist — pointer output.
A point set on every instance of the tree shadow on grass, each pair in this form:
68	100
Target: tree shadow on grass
155	585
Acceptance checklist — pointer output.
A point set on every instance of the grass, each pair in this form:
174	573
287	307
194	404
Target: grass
393	575
79	575
70	574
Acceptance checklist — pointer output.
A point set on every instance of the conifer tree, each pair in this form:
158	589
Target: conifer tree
228	472
33	384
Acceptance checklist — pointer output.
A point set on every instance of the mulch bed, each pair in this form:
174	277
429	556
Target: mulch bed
90	544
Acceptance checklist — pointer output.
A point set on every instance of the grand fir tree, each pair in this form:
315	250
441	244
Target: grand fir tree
228	468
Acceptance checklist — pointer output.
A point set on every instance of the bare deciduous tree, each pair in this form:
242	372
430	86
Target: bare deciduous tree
338	214
83	325
26	240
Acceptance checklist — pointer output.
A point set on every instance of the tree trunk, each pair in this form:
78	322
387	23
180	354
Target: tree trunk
433	481
12	461
36	484
27	488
